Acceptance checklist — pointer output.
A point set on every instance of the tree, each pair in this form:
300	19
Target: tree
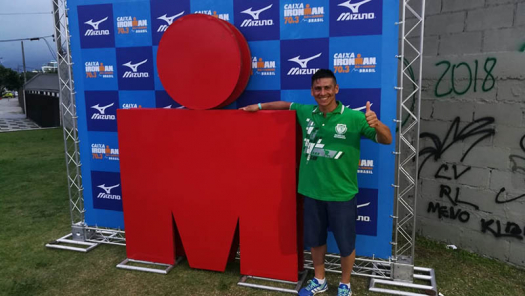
9	79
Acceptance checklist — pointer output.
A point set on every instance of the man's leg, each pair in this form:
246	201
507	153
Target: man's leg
347	263
318	259
315	225
342	217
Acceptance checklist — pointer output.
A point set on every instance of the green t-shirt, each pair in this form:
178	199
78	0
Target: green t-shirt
331	150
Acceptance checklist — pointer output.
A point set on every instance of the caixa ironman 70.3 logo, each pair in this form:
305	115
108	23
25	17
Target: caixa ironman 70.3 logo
295	13
222	16
356	17
95	69
130	24
96	26
300	59
101	151
262	67
345	62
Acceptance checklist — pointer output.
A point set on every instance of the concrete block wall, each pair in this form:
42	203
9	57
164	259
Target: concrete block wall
472	187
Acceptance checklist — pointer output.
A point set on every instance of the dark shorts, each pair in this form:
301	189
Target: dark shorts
340	216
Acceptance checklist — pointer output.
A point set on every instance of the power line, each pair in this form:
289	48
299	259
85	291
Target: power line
50	49
22	39
21	13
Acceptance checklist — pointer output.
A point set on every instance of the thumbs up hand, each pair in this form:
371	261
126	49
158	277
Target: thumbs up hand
371	116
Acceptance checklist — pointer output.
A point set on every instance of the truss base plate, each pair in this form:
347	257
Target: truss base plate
420	273
65	243
165	270
296	285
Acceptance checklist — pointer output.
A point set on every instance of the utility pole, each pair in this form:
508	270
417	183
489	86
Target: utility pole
25	78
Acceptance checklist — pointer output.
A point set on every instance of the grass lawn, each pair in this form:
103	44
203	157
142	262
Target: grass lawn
34	210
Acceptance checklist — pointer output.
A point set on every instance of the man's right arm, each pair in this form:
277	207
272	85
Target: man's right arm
277	105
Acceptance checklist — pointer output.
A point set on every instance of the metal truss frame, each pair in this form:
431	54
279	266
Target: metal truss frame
408	129
80	232
399	271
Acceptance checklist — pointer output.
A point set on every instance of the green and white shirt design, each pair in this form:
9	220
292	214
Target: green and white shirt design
330	154
313	146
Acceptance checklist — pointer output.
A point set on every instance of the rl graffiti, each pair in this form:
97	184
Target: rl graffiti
472	77
445	190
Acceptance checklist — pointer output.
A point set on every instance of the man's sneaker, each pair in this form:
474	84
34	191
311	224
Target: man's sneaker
313	288
344	290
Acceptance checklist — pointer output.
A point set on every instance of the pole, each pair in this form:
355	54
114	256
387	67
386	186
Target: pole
25	77
60	65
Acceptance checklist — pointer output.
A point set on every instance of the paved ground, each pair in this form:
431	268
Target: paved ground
12	118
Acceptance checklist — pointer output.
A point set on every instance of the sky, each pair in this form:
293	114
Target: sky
16	22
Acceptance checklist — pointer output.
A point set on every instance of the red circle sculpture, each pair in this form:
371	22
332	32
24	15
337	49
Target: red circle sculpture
203	62
246	66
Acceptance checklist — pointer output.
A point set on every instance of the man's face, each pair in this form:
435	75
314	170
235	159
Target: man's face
324	91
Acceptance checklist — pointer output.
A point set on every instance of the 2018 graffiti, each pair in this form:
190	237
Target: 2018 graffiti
471	76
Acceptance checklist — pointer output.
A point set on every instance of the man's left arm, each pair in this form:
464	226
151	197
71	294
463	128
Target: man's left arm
384	136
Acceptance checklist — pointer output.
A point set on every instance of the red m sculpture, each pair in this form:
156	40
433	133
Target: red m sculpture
202	174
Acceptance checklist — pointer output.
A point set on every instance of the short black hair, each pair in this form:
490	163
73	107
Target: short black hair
323	73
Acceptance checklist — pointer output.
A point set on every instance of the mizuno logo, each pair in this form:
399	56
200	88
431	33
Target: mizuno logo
304	62
134	67
102	109
360	108
95	24
353	7
363	205
169	19
107	189
255	14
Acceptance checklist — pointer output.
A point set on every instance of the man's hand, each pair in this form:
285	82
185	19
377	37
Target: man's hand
250	108
371	116
383	132
277	105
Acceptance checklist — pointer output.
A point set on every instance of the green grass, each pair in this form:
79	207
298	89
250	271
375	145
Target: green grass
34	210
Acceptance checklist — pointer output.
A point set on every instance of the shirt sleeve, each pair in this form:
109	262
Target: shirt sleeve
366	130
300	111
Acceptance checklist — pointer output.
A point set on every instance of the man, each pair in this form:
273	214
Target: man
328	172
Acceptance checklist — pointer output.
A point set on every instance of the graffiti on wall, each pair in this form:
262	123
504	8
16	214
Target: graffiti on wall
518	161
480	129
471	72
518	164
